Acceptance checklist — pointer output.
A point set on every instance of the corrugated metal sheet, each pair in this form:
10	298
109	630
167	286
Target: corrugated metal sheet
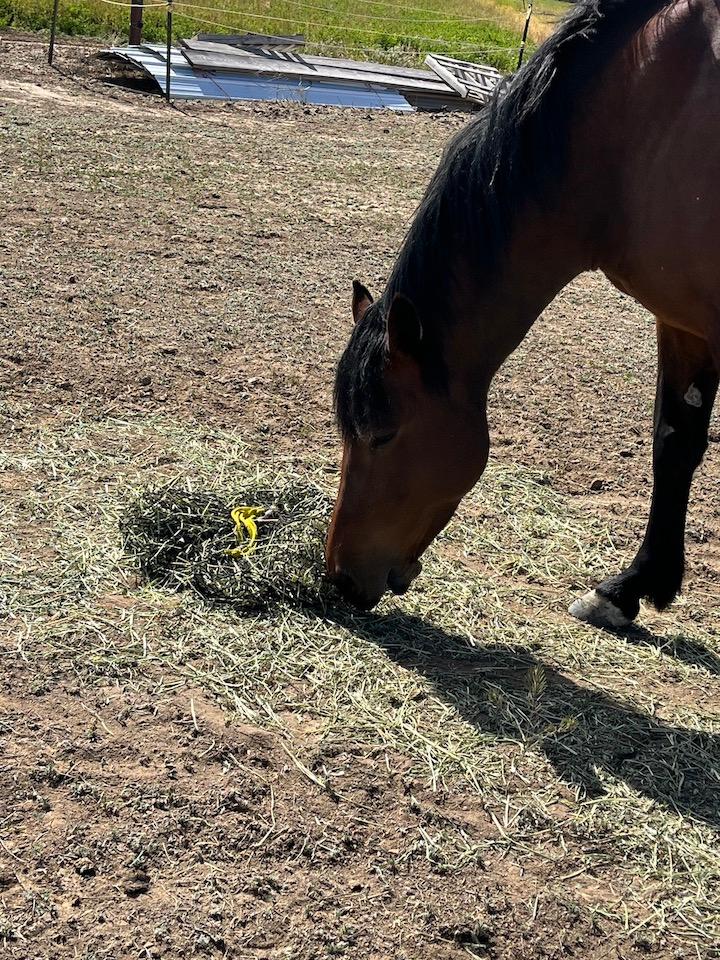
187	83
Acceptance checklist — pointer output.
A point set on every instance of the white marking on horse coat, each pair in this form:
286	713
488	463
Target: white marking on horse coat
693	398
599	611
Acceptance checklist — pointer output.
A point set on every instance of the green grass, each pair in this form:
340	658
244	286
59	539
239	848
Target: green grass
483	30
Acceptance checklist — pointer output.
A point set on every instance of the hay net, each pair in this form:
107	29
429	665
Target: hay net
188	540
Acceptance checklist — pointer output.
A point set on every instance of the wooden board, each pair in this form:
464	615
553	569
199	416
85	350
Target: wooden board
384	68
468	80
253	40
439	102
209	56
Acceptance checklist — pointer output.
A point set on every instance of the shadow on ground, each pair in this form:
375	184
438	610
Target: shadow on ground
681	648
580	729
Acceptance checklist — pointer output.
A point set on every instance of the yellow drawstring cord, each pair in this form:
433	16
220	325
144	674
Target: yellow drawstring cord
245	529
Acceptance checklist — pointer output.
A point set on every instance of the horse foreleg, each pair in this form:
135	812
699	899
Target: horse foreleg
686	388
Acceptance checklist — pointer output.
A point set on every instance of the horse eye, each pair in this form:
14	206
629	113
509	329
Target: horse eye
381	441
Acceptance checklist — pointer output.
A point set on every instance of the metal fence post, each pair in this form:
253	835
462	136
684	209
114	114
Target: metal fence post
168	49
525	33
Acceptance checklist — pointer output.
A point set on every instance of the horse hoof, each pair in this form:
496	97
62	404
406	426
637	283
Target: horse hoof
597	610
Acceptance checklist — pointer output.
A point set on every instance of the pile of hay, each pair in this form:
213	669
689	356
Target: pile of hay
181	540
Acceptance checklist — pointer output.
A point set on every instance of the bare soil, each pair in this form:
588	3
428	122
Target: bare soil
194	263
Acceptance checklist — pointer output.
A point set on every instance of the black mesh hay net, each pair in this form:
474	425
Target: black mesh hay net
189	540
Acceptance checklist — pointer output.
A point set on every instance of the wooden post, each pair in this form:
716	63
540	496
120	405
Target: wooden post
168	50
136	22
53	29
525	33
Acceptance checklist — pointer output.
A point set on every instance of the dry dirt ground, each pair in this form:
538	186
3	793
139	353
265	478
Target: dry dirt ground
175	291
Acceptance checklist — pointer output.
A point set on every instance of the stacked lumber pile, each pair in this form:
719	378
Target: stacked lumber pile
260	67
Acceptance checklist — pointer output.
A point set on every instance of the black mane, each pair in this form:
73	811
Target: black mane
513	151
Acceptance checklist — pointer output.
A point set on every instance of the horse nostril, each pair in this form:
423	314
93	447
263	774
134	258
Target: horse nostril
344	582
350	591
399	582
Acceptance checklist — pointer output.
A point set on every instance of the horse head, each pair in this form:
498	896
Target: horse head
414	442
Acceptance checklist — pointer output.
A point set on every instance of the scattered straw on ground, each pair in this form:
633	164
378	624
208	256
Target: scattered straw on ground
588	748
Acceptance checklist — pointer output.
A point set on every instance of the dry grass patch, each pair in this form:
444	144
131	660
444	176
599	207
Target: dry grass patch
594	752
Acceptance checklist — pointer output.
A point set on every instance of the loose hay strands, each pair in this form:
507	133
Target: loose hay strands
595	751
185	539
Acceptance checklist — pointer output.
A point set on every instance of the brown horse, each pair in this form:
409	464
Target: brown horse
602	153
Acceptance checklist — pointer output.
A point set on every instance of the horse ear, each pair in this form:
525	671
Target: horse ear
361	300
404	330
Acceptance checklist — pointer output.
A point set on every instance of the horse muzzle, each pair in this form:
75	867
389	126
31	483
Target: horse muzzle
365	596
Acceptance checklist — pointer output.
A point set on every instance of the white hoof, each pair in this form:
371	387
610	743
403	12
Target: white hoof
599	611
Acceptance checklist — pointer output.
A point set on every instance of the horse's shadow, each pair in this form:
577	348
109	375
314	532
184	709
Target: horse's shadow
681	648
582	730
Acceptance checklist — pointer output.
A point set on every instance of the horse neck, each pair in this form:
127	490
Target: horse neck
488	317
476	305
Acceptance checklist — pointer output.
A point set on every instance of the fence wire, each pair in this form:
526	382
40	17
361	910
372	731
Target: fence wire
425	43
